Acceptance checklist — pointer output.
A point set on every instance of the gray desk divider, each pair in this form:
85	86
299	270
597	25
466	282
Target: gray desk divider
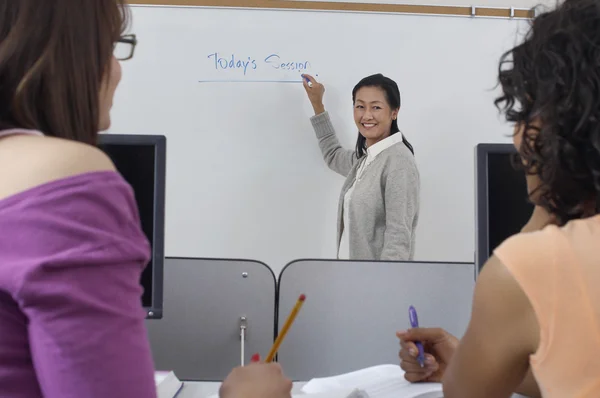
204	302
353	310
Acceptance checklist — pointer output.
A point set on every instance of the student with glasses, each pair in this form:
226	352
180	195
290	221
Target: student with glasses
71	246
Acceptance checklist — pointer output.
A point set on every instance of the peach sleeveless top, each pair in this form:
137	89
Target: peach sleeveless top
559	271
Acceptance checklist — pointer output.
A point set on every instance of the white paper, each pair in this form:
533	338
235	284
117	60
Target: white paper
160	376
384	381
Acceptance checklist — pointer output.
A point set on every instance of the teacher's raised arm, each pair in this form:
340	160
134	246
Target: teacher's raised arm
337	158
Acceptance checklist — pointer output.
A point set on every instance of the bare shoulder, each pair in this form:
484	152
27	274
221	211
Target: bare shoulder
500	303
29	161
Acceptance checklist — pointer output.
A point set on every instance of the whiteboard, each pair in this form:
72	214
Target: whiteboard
245	176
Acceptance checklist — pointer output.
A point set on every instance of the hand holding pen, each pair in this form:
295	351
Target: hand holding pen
262	379
438	348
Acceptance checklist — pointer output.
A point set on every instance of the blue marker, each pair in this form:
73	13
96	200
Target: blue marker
307	80
414	322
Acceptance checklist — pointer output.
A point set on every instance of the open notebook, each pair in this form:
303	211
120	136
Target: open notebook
383	381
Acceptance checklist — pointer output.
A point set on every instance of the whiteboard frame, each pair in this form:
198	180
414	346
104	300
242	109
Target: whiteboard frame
466	11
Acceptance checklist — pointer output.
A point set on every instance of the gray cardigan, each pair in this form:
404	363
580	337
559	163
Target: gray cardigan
384	210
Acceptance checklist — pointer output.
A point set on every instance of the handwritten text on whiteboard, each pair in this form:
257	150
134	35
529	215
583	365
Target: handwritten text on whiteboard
248	64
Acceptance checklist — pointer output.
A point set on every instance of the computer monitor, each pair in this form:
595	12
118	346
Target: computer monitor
501	201
141	160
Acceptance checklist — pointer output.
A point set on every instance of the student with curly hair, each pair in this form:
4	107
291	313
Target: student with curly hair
535	325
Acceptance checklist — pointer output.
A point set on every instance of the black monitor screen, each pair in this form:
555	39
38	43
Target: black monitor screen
502	204
508	208
141	161
136	165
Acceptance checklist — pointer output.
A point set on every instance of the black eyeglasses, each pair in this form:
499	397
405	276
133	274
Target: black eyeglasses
125	46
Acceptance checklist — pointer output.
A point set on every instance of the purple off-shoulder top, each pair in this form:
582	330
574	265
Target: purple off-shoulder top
71	320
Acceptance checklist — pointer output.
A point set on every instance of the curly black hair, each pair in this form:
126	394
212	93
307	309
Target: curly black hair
551	86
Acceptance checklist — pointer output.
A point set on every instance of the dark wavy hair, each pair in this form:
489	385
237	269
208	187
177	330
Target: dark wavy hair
551	87
392	95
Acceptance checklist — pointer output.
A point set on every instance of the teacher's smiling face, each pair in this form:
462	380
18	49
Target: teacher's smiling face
373	115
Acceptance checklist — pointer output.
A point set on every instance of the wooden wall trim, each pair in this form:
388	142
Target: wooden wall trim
343	6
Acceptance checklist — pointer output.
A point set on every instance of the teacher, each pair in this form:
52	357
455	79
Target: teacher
379	203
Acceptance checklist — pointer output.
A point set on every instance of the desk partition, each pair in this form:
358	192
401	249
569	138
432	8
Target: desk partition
208	303
354	308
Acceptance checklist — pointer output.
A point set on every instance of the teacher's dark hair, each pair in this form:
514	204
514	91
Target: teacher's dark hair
54	56
392	94
551	87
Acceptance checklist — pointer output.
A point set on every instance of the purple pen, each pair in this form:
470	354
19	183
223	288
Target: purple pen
414	322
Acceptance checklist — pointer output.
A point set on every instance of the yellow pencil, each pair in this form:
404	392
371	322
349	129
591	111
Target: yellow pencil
286	327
